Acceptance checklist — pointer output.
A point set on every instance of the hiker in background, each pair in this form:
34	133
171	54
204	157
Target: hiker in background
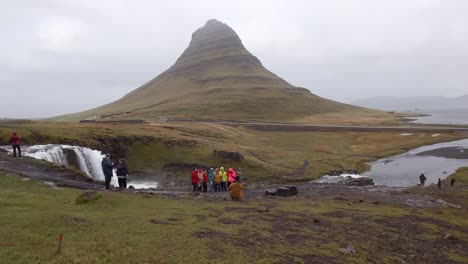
194	179
231	176
200	180
15	141
439	184
217	180
107	167
211	173
422	179
224	179
122	173
452	182
205	181
236	189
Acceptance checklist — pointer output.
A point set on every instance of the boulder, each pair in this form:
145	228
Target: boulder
283	191
361	181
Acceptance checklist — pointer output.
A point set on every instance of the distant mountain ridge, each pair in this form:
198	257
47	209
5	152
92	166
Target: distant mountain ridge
216	77
411	103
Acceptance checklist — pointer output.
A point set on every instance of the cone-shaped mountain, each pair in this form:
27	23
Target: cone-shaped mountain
216	77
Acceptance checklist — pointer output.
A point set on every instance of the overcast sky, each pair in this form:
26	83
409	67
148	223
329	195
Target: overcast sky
62	56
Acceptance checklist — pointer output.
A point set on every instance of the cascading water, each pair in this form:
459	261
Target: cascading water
85	159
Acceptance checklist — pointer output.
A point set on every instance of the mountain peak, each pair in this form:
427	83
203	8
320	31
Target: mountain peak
212	41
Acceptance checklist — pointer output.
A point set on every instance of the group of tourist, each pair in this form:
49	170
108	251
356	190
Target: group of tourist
217	180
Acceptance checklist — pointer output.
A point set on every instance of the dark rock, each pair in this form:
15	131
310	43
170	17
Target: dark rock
228	155
131	187
270	192
362	181
88	197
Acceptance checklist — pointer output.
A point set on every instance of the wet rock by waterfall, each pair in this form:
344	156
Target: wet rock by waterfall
84	159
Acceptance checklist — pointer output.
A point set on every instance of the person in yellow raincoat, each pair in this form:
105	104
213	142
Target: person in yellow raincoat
224	178
236	189
217	180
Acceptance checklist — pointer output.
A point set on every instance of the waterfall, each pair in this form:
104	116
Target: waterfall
86	160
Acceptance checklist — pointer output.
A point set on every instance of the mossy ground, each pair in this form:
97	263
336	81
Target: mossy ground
130	228
269	156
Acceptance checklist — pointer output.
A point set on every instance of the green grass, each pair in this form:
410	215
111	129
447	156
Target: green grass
127	228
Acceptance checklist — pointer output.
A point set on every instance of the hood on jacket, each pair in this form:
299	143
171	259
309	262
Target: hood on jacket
221	169
15	134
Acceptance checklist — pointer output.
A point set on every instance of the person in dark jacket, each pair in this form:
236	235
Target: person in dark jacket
439	184
422	179
122	173
452	182
205	181
107	167
15	141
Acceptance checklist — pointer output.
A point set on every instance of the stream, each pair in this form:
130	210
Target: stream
435	161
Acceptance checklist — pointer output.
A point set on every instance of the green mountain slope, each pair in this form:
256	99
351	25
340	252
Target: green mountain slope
215	78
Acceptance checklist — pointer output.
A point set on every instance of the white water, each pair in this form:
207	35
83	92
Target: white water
336	179
89	160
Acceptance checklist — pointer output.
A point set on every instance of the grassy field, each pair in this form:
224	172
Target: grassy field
268	156
128	228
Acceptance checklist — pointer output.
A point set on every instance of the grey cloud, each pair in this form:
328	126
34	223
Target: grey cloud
65	56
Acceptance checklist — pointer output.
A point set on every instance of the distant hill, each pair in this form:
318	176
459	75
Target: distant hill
411	103
216	77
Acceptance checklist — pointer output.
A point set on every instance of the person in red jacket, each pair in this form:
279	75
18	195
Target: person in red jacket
195	179
205	181
231	176
15	141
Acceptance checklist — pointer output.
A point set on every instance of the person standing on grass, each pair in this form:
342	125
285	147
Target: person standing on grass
231	176
194	179
217	180
236	190
107	168
439	184
422	179
452	182
15	141
224	179
122	173
205	181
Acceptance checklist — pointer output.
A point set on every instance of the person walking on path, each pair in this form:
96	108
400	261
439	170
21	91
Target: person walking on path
217	181
122	174
194	179
236	190
422	179
439	184
107	167
231	176
211	173
452	182
224	179
205	181
15	141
